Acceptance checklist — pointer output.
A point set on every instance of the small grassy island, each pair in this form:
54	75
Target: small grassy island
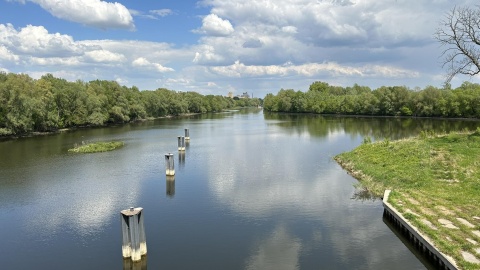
435	183
96	147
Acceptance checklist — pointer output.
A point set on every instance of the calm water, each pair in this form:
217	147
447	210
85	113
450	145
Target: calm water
253	191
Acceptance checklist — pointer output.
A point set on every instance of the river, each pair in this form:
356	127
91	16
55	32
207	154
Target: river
252	191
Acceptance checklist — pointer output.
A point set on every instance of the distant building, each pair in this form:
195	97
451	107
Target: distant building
230	94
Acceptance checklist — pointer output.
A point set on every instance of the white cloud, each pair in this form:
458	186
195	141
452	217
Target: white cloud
290	29
103	56
207	55
162	12
121	81
333	23
55	61
181	81
138	13
7	55
36	41
238	70
143	62
95	13
213	25
152	14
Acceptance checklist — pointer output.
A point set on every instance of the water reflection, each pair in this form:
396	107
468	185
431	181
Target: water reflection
406	241
170	183
279	175
84	205
376	127
363	194
128	264
181	159
279	251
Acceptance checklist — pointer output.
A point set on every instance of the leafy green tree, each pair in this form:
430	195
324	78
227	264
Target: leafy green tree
19	104
46	115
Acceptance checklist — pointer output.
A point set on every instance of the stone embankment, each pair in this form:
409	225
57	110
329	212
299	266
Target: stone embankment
424	244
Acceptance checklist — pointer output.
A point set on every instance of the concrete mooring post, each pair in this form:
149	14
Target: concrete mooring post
187	134
133	233
169	164
181	143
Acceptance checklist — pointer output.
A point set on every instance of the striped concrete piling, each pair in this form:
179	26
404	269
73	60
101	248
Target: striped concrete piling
134	244
181	143
169	164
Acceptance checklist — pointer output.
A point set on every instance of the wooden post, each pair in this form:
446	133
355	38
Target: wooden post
170	186
169	164
187	134
133	233
181	143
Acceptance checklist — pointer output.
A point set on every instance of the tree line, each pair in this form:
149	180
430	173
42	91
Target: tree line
50	103
322	98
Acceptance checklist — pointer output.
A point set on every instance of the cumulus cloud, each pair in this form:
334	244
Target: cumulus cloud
104	56
7	55
207	55
213	25
95	13
35	40
143	62
339	22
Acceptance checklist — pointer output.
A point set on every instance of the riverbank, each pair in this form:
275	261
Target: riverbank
73	128
436	186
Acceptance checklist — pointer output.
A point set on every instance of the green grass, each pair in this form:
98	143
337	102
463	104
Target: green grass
433	176
96	147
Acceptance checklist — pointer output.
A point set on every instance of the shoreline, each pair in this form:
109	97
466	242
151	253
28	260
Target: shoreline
433	179
74	128
421	242
379	116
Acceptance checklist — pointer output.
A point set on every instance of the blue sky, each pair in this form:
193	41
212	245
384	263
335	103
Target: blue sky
221	46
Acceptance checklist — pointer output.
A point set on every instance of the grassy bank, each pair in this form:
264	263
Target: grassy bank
96	147
434	178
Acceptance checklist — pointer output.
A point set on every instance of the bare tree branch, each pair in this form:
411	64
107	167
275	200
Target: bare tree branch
459	33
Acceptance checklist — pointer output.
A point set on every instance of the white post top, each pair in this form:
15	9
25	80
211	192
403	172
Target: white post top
131	211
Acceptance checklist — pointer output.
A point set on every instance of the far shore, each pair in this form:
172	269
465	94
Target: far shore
73	128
